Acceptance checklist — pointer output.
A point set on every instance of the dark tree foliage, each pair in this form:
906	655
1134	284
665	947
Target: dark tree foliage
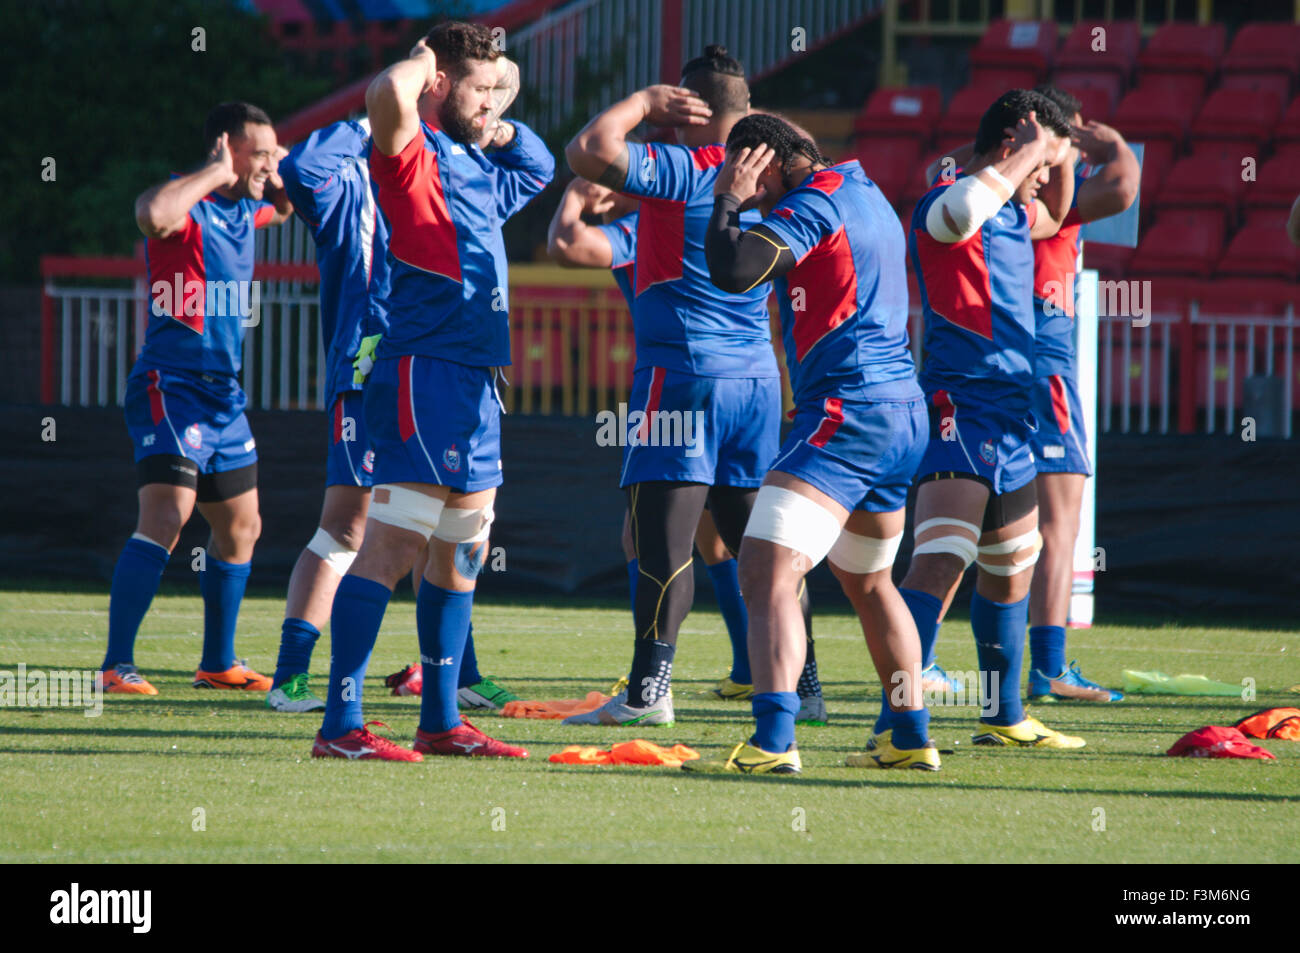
115	93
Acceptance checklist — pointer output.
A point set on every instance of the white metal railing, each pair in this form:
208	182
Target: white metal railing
101	331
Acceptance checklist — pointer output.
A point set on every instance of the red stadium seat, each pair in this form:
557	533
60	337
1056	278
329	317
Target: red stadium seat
1277	84
1265	48
1093	103
1270	215
1154	112
1184	48
1260	251
1005	77
1197	182
1025	44
1108	84
1237	114
893	111
1157	160
1287	133
1182	242
1111	260
1277	183
1121	39
889	161
967	107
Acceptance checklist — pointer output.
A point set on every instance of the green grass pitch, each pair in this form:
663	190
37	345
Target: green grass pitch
124	787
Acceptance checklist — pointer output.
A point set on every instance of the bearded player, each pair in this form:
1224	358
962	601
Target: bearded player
184	406
328	177
432	406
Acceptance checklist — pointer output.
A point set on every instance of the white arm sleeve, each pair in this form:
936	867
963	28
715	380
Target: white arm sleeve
970	202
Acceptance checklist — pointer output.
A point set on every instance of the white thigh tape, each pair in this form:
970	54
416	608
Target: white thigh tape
954	545
864	554
406	509
789	519
335	555
465	526
1030	540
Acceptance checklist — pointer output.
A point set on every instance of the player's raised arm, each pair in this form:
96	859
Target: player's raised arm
599	152
1115	187
525	166
740	259
310	170
161	211
951	162
1056	198
392	99
570	241
275	192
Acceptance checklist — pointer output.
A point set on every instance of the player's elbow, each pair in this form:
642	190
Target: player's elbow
560	250
147	220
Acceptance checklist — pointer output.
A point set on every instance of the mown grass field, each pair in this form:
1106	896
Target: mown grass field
124	787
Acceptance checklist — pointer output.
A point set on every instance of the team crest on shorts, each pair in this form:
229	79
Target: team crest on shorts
451	459
988	453
194	436
368	461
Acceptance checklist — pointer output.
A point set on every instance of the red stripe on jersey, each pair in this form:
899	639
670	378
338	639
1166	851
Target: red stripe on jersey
828	284
422	233
177	273
338	420
651	403
834	409
708	157
1060	406
156	409
405	407
660	242
826	181
956	280
943	403
1054	261
262	217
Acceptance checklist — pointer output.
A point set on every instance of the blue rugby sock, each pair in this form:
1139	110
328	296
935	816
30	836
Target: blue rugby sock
442	620
911	729
632	573
359	606
925	610
136	576
1047	649
469	673
999	629
726	586
774	719
222	585
297	639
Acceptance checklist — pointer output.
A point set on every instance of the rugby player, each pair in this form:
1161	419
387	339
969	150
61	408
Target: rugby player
184	406
432	406
703	357
328	178
970	244
612	244
1106	175
839	485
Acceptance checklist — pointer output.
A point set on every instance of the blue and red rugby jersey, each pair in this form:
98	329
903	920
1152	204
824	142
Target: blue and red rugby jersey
327	176
446	202
977	303
844	303
200	287
683	322
1055	259
622	242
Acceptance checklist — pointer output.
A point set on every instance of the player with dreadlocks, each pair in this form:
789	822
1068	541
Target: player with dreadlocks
836	250
704	357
